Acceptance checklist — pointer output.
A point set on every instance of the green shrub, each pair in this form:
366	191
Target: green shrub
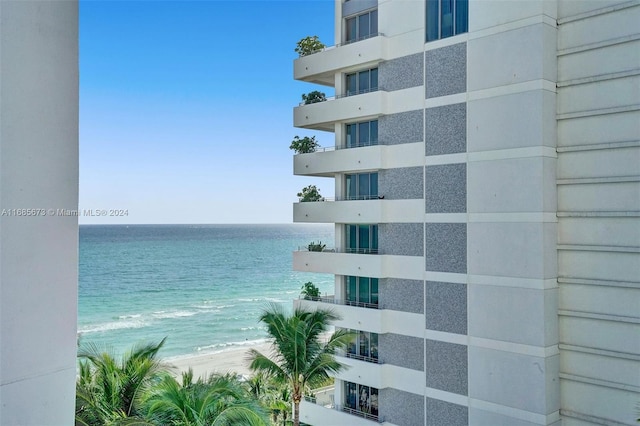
313	97
304	145
309	45
316	247
310	193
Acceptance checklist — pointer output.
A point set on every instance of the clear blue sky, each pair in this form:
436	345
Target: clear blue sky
186	108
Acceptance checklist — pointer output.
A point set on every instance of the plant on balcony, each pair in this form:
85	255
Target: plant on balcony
304	145
309	45
310	193
310	291
301	358
316	247
313	97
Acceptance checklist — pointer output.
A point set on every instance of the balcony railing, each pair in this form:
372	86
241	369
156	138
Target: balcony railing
325	398
356	412
343	95
332	299
324	49
357	92
339	147
361	250
363	358
346	250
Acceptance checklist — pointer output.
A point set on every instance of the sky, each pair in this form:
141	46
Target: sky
186	109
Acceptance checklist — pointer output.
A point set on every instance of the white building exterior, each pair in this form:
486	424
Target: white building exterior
38	248
487	211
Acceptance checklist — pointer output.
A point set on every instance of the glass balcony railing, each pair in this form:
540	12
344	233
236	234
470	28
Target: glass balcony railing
336	301
345	250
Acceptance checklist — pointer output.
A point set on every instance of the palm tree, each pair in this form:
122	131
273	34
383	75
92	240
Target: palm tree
219	400
299	357
110	392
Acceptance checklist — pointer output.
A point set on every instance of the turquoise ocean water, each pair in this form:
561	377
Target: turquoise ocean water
201	286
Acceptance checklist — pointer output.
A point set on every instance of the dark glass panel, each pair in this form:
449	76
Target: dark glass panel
351	30
352	84
363	82
363	136
374	291
373	79
363	186
373	185
462	16
432	20
363	26
363	238
446	22
363	291
373	132
351	187
352	289
351	135
352	237
374	22
374	237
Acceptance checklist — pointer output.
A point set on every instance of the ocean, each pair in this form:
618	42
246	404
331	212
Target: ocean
201	286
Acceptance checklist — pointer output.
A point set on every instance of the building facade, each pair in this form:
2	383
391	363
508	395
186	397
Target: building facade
38	177
487	211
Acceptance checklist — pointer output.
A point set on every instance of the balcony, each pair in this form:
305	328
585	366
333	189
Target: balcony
359	211
356	264
321	67
321	409
327	162
338	301
324	115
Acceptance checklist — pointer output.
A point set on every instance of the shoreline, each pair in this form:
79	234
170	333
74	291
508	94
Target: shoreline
222	362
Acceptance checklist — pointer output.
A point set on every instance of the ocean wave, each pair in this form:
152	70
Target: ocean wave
131	316
173	314
116	325
221	347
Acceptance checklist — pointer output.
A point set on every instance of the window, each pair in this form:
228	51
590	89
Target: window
362	239
362	26
363	186
363	399
362	291
362	134
446	18
365	345
362	82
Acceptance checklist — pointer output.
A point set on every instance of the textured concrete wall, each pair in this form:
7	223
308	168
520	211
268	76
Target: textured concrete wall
446	70
446	188
446	307
446	247
401	73
446	129
401	295
403	351
403	127
446	367
403	239
401	408
445	413
401	184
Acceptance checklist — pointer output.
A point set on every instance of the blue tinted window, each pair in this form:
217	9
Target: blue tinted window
445	18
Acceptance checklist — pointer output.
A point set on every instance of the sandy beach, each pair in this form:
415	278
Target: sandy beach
231	360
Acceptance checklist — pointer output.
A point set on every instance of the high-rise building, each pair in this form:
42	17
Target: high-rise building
486	211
